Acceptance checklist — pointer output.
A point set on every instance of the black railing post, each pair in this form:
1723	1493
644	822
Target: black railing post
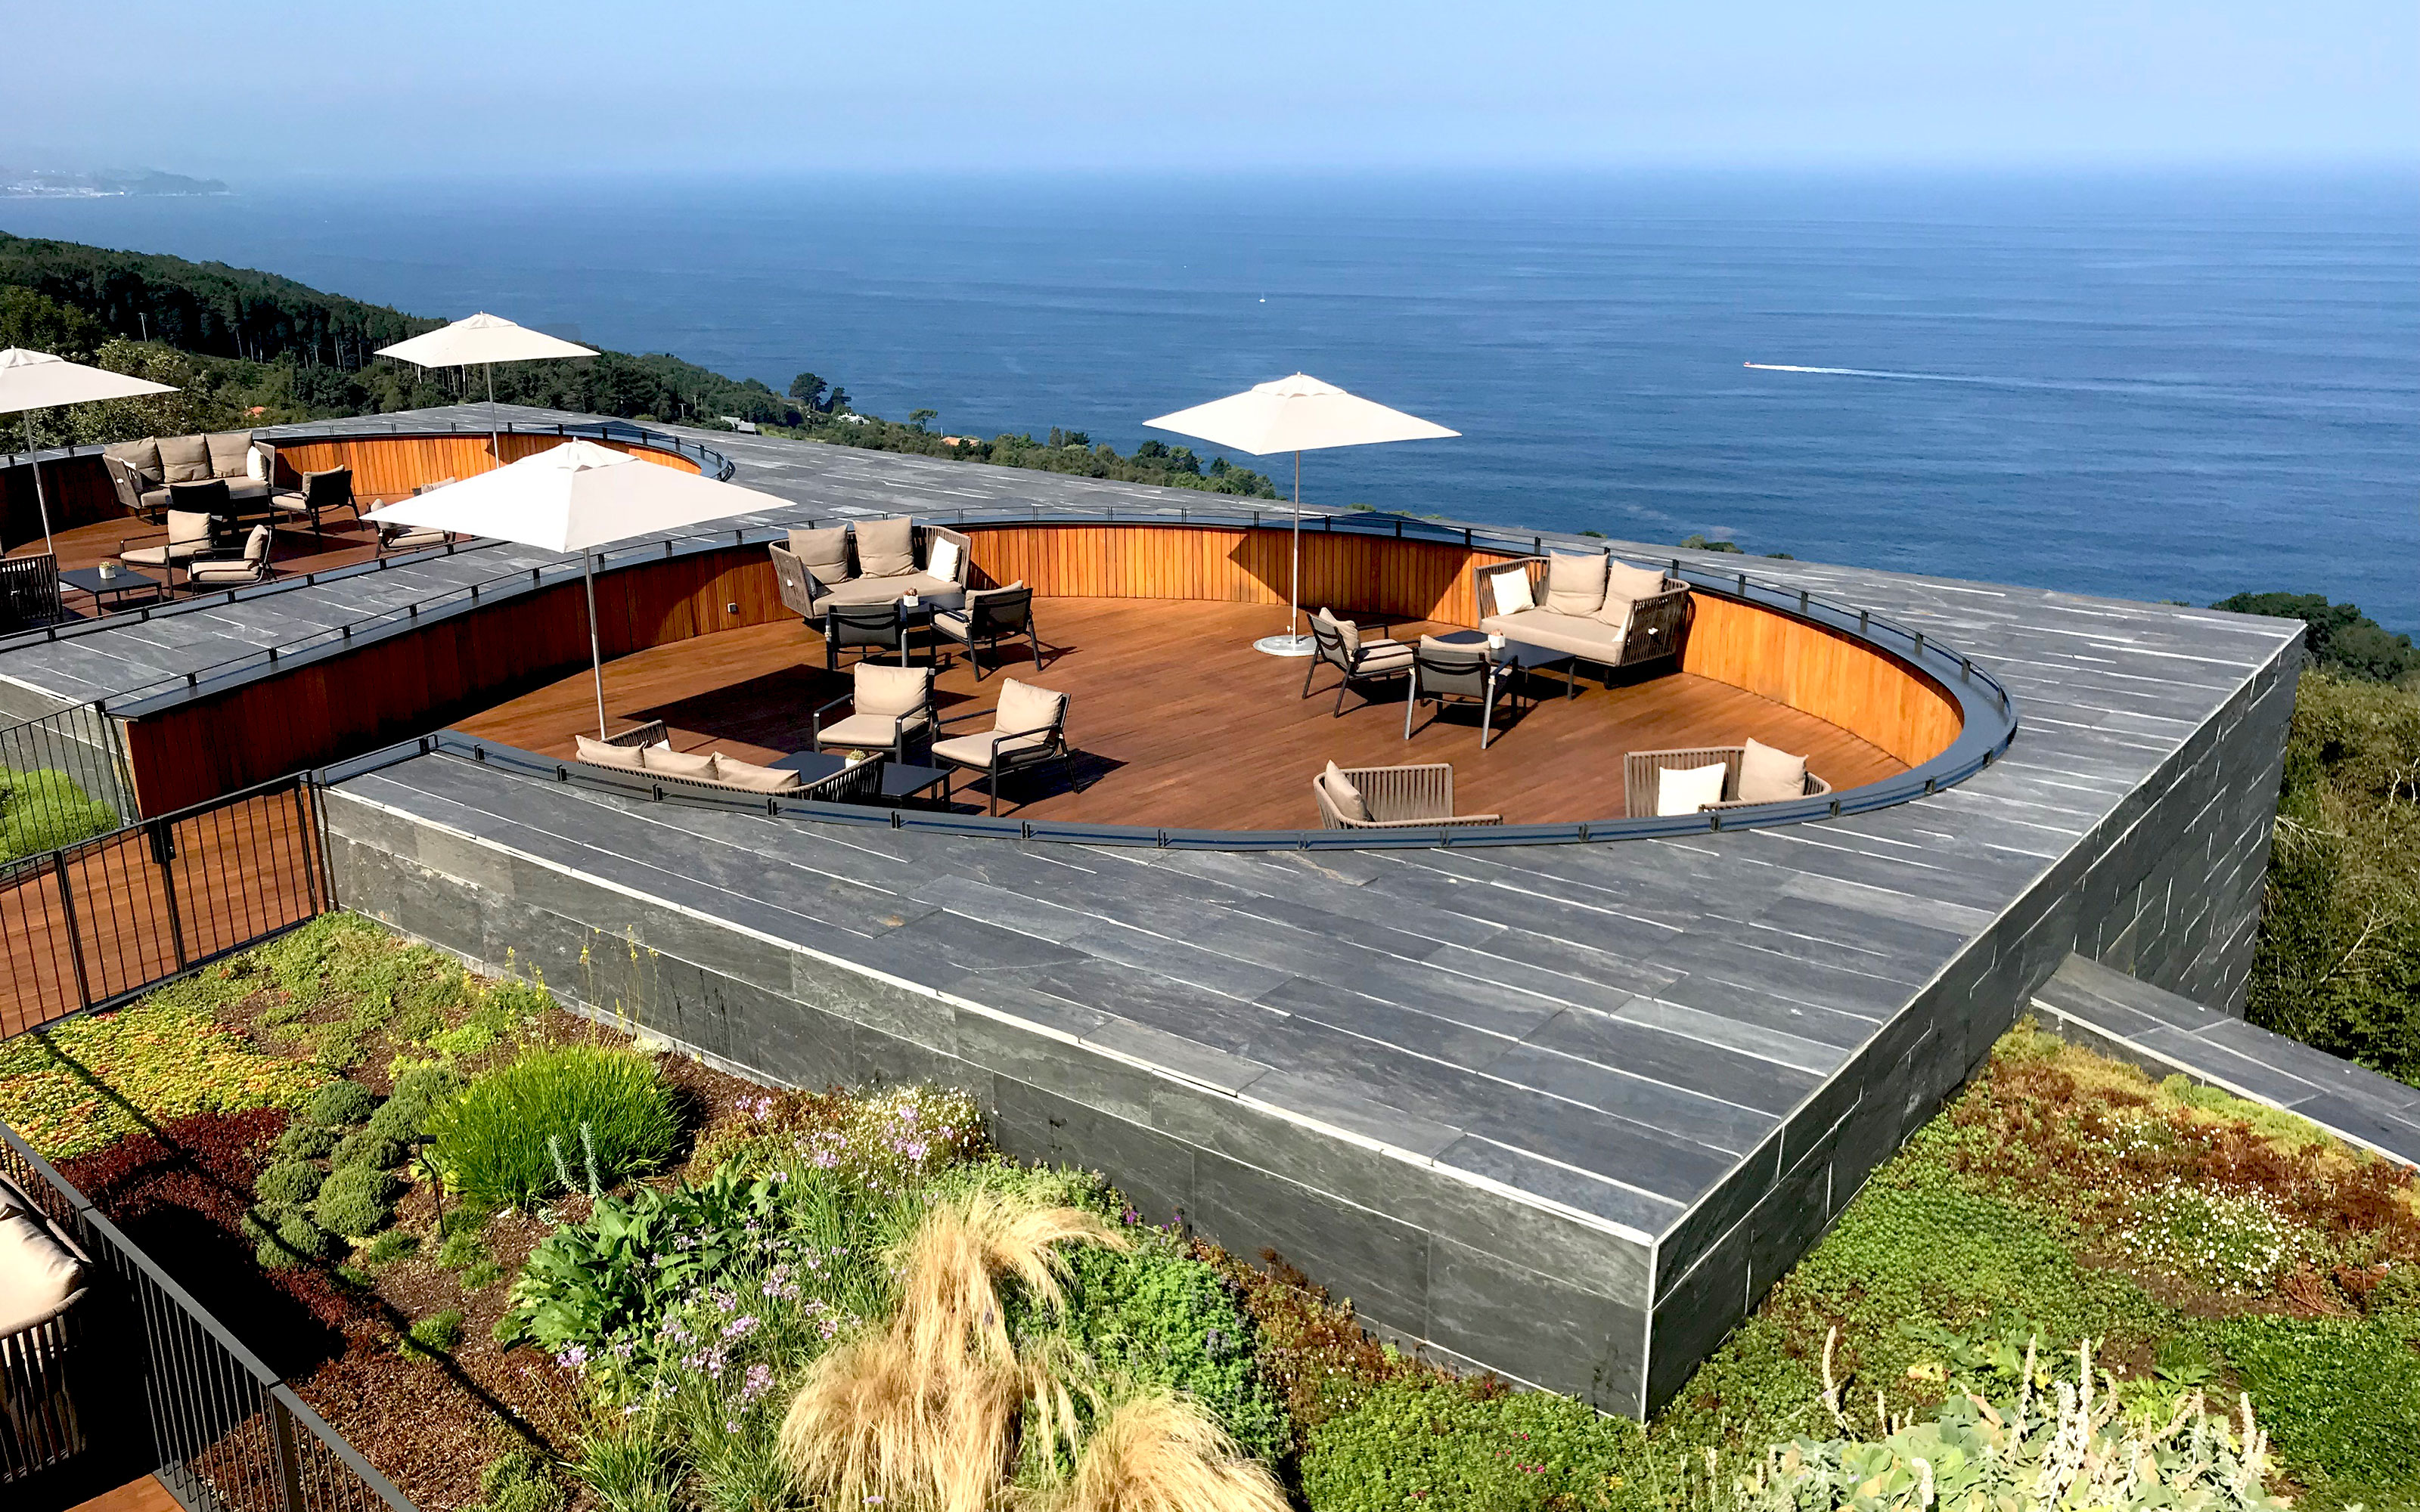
289	1464
75	936
163	852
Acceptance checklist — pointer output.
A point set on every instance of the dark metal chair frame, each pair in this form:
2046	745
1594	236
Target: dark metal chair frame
866	627
1328	650
1455	666
1053	747
990	615
899	736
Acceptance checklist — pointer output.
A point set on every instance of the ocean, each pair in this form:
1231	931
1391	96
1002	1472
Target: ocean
2155	385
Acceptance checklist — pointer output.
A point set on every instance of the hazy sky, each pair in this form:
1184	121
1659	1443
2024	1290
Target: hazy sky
1247	84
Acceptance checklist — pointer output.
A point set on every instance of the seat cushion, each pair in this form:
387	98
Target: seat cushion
872	590
886	547
1024	707
153	556
188	528
226	570
1685	789
890	691
1633	583
1384	656
155	499
1574	584
752	778
1510	589
231	452
185	458
36	1272
823	553
671	763
1588	638
1770	775
869	729
944	558
1347	798
143	458
604	753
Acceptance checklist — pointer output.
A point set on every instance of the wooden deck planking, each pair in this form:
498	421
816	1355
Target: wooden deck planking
1182	724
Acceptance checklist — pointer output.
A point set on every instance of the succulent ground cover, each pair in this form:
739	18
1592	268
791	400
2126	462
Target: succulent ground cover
677	1290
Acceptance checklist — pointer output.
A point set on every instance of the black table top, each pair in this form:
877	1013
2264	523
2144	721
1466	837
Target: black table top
1520	653
91	582
900	780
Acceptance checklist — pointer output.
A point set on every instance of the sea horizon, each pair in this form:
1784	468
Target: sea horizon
2175	383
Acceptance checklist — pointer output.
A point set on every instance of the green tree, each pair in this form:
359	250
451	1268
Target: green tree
923	419
2342	638
34	321
809	390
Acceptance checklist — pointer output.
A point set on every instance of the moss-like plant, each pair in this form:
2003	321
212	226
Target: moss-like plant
433	1336
357	1202
419	1091
341	1104
304	1140
366	1147
289	1184
546	1122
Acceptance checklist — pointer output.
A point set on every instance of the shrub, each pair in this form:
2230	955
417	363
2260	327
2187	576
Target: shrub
2341	1396
43	810
297	1240
463	1247
433	1336
289	1184
342	1103
357	1202
1450	1446
520	1481
418	1092
306	1140
391	1246
602	1108
366	1147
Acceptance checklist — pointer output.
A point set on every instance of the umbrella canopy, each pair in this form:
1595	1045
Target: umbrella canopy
577	497
487	340
1295	414
38	380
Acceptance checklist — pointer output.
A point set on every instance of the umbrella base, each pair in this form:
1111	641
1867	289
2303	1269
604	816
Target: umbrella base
1286	645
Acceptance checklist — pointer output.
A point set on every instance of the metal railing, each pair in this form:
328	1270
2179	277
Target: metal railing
157	1383
92	924
62	777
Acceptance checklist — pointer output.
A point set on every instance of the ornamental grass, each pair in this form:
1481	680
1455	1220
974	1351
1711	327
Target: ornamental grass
560	1116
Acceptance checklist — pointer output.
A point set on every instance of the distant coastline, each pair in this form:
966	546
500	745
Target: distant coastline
113	183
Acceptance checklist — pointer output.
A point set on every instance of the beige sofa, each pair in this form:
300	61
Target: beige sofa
44	1279
142	470
872	561
1591	606
646	753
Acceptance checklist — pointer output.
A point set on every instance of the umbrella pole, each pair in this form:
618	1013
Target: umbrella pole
41	500
1293	587
595	653
495	433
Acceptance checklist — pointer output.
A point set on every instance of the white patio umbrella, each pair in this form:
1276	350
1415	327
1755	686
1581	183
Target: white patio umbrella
577	497
1295	414
38	380
487	340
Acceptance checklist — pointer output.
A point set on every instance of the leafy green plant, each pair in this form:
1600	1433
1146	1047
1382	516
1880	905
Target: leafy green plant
306	1140
628	1469
1453	1446
43	810
497	1140
366	1147
341	1104
437	1334
2342	1397
289	1184
294	1240
463	1247
392	1245
357	1202
419	1089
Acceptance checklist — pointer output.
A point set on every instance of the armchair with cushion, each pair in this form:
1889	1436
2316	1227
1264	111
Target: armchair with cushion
890	707
1443	673
869	628
1391	797
320	492
142	470
394	540
1591	606
1751	773
991	615
188	535
1339	644
1029	728
233	569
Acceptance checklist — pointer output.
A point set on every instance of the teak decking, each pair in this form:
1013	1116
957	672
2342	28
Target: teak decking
1180	723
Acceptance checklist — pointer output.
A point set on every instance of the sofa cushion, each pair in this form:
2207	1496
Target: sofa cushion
36	1272
143	457
223	570
869	730
888	692
600	753
1770	775
1347	798
1633	583
185	458
671	763
886	547
752	778
246	490
255	466
1024	707
230	453
944	558
1574	584
1591	639
823	553
1683	789
870	590
1509	588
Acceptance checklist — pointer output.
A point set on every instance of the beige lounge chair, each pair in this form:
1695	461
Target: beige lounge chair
44	1278
891	706
233	569
645	752
1589	606
1339	644
1391	797
1768	778
332	488
991	615
188	535
1029	728
1443	673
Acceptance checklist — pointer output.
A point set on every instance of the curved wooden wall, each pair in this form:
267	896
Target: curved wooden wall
407	685
393	466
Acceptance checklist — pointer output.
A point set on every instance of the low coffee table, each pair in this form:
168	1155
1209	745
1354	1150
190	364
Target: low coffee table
125	581
900	781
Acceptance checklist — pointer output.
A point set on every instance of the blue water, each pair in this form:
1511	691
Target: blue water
2165	387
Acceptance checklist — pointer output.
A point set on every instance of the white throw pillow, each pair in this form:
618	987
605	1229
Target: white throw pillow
1685	789
256	467
1511	589
942	561
1770	775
